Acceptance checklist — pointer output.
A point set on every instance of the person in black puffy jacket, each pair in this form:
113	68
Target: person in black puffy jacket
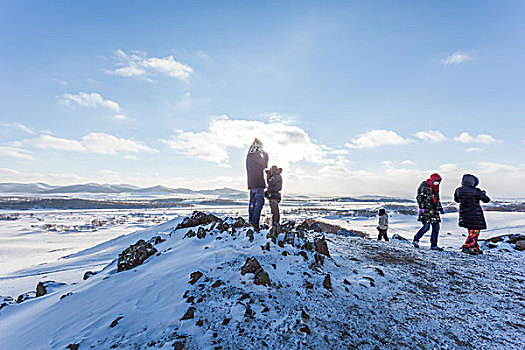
470	212
275	185
256	162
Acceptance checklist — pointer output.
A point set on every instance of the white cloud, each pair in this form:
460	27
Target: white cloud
474	149
481	138
408	162
90	100
15	152
456	58
18	126
120	117
284	143
137	64
430	135
93	142
60	81
377	138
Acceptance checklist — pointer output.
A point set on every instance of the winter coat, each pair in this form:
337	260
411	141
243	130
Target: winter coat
383	222
256	162
275	183
468	196
428	199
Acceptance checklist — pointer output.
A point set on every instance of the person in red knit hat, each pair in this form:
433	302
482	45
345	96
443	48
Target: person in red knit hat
429	210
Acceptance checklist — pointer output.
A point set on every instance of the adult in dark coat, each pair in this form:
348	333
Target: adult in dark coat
470	212
429	209
256	162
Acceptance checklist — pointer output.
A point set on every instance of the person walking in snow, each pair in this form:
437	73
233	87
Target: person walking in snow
275	185
470	212
383	225
429	209
256	162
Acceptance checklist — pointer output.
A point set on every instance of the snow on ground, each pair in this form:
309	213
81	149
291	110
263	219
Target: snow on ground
383	296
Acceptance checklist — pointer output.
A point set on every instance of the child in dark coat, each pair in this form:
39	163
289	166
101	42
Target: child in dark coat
470	212
275	185
383	225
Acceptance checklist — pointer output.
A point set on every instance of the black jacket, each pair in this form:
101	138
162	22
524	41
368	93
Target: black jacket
468	196
275	183
428	199
256	162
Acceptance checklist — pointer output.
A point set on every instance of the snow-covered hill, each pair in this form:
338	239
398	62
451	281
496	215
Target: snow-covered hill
379	295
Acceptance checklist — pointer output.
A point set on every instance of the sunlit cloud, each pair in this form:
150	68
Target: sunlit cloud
456	58
377	138
92	100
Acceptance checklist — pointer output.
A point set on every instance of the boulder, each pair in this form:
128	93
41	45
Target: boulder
42	288
320	246
316	227
201	233
251	265
196	219
72	346
305	329
25	296
239	223
520	245
249	234
262	278
88	274
515	238
327	283
156	240
195	276
304	226
115	322
4	301
190	313
287	226
349	233
135	255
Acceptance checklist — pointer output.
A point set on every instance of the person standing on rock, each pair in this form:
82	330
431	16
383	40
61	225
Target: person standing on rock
470	212
275	185
383	225
256	162
429	209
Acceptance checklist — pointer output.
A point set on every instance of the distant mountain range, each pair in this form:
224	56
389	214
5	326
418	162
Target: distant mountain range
95	188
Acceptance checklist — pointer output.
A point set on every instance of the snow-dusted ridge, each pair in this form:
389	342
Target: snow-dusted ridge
382	295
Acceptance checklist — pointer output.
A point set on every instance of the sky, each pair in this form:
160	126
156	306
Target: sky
348	97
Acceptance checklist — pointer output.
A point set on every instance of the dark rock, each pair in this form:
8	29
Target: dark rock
327	283
280	244
156	240
178	345
88	274
515	238
303	254
316	227
25	296
195	276
115	321
495	239
492	245
239	223
72	346
189	234
520	245
196	219
289	238
265	309
4	301
135	255
245	296
250	266
285	253
249	234
199	323
287	226
217	283
66	295
262	278
399	238
190	313
309	285
319	259
305	329
347	282
42	288
380	272
266	246
190	299
226	321
321	246
201	233
304	315
223	226
304	226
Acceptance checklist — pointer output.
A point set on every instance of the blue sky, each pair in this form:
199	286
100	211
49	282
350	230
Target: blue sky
349	97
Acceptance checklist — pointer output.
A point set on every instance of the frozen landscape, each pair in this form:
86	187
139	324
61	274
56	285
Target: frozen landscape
378	295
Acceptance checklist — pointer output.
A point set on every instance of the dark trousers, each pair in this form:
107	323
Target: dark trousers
256	205
382	234
433	236
276	217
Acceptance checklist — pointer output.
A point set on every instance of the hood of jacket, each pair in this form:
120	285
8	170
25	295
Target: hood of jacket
469	180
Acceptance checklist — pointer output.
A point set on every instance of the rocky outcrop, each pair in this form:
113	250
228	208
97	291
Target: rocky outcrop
262	278
251	265
88	274
320	246
42	288
135	255
520	245
196	219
